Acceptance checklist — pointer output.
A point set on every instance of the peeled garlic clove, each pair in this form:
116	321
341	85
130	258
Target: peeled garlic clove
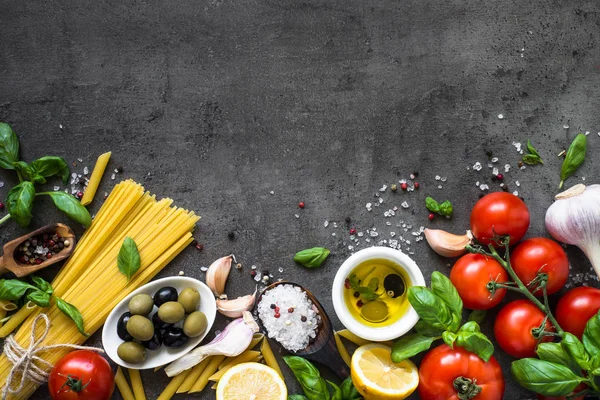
217	273
235	308
447	244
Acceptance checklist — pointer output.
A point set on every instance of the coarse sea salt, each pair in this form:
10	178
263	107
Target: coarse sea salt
293	330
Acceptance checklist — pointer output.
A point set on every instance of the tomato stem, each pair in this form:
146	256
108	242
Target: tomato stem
466	388
74	383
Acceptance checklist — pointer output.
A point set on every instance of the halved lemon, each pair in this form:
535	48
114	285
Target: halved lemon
377	377
251	381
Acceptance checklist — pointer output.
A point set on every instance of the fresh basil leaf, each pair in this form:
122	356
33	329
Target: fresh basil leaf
128	259
591	335
312	258
444	209
349	392
432	205
20	201
337	392
573	346
410	345
449	338
532	150
366	292
555	353
595	363
72	312
430	307
477	316
476	342
532	159
574	157
9	146
42	284
373	283
13	289
71	206
296	397
443	288
543	377
470	326
425	329
309	377
48	166
40	298
24	169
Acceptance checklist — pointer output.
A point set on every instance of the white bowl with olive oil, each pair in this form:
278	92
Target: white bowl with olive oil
369	293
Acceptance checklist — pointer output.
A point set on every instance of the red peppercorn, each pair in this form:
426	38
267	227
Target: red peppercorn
291	310
252	273
353	231
199	246
500	177
301	204
431	216
417	185
277	309
347	283
79	195
404	186
48	255
277	315
38	261
51	243
1	206
359	303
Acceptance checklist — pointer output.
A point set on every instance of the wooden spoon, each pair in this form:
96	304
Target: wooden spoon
322	348
9	264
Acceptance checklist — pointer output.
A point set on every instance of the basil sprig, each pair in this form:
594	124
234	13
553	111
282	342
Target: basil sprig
440	311
574	158
19	201
128	259
312	258
532	157
444	209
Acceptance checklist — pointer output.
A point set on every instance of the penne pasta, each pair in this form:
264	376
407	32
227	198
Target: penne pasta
7	305
342	349
123	386
17	318
92	186
173	385
193	376
136	384
210	369
269	357
246	356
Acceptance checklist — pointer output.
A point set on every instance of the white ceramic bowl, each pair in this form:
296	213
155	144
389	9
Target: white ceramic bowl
377	334
163	355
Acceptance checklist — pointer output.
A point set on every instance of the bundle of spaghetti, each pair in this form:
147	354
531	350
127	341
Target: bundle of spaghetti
91	280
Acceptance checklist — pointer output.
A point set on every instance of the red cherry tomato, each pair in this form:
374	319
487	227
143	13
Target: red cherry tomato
499	213
470	275
81	375
513	328
443	365
537	255
576	307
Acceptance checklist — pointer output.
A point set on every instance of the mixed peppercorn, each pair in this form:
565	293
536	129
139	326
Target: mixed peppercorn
40	248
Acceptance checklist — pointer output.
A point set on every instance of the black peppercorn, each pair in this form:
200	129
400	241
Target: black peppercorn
272	306
303	318
231	235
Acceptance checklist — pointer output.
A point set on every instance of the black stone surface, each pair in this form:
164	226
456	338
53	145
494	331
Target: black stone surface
241	109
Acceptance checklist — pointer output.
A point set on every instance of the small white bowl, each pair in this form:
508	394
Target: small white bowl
376	334
163	355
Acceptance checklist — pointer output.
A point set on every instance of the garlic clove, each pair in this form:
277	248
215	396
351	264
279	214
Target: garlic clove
447	244
217	273
235	308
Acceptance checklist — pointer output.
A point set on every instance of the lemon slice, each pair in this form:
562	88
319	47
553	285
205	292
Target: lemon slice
377	377
251	381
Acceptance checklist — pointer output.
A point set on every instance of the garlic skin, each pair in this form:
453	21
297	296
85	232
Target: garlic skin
232	342
217	273
447	244
574	218
235	308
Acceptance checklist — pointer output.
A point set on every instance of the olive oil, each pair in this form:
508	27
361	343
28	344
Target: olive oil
375	292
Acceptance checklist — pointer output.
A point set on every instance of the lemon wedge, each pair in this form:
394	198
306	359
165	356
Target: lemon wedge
251	381
377	377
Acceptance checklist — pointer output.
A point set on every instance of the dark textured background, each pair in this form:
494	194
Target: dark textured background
217	103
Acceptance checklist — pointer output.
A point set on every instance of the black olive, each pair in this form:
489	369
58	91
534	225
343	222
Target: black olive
165	294
394	285
122	327
159	323
155	342
174	337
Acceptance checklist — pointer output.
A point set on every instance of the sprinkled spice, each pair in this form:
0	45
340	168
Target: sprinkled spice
417	185
231	235
347	283
404	186
291	310
393	187
360	303
39	248
431	216
301	204
200	246
353	231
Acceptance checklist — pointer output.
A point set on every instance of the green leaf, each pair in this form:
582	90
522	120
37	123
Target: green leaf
9	146
554	353
470	326
425	329
296	397
410	345
477	316
309	377
574	157
449	338
337	392
366	292
591	335
128	259
312	258
41	284
19	203
443	288
544	377
444	209
13	289
573	346
430	307
71	206
48	166
532	159
349	392
476	342
532	151
72	312
24	169
40	298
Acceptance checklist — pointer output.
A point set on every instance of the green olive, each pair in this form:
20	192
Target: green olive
195	324
374	311
171	312
141	328
189	298
131	352
141	304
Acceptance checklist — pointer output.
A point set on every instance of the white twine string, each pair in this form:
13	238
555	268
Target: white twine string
24	360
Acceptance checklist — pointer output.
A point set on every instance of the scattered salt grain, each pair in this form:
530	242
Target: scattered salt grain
495	159
565	126
587	133
517	183
1	184
296	215
86	170
495	171
203	269
326	223
272	192
437	177
506	167
56	188
483	186
477	166
80	159
500	116
477	183
369	207
439	186
382	189
516	193
444	179
181	273
404	204
112	177
280	269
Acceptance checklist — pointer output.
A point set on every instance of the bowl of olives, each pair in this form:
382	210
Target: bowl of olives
159	322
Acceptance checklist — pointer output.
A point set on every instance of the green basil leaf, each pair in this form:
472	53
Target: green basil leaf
312	258
309	377
432	205
13	289
43	285
573	346
40	298
476	342
296	397
595	363
24	169
48	166
443	288
555	353
444	209
19	203
574	157
591	335
543	377
128	259
410	345
349	392
425	329
532	159
477	316
337	392
71	206
430	307
532	150
449	338
72	312
9	146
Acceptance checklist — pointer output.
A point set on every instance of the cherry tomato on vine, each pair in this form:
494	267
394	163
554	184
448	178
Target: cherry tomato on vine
470	275
576	307
514	325
499	213
541	255
81	375
443	366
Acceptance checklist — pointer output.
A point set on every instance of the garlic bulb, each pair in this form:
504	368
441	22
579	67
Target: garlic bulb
234	339
236	307
217	273
447	244
574	218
